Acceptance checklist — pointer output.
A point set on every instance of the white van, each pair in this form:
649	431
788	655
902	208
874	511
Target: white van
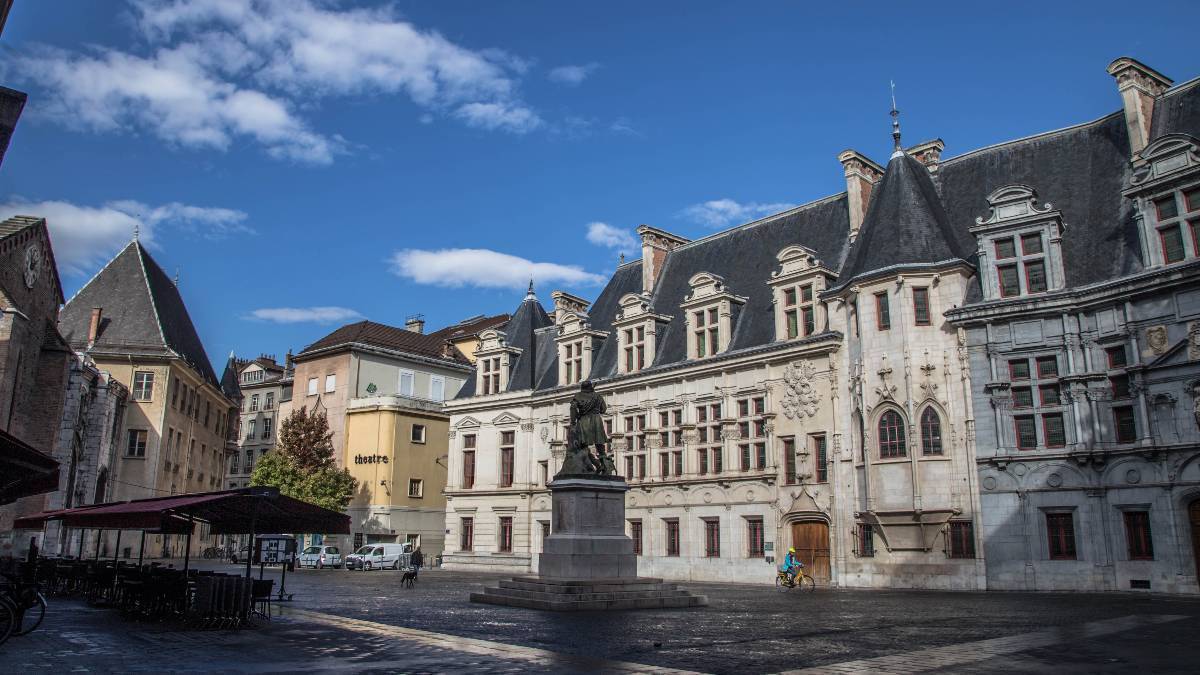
380	557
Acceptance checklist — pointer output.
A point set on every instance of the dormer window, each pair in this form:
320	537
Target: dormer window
710	310
1164	183
706	332
795	286
573	362
637	329
490	375
1020	243
1177	219
492	362
635	349
576	340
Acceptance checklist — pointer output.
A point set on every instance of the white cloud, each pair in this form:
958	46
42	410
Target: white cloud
483	268
619	240
492	116
720	213
572	76
85	237
304	314
217	72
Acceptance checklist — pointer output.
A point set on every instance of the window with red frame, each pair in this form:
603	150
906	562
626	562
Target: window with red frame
789	461
1053	430
712	538
1060	530
1124	423
1026	432
672	527
1018	369
820	457
466	535
962	539
1010	282
506	534
1005	248
754	538
921	306
1116	356
1137	535
891	435
1047	366
883	314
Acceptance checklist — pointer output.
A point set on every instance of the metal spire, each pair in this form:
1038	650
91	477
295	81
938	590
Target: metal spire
529	295
896	150
136	230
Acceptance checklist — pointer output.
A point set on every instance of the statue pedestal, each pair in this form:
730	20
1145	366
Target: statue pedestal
588	539
588	561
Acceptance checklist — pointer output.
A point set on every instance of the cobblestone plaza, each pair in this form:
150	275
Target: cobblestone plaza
365	622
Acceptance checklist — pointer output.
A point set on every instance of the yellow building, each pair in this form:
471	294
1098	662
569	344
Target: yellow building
396	448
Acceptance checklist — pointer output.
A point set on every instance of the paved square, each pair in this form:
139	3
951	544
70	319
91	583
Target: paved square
365	622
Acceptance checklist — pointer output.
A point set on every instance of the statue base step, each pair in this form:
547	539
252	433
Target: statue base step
598	594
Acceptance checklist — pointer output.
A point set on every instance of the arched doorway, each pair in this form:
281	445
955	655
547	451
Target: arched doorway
1194	519
810	538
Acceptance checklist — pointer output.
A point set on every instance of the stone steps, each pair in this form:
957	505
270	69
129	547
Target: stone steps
588	595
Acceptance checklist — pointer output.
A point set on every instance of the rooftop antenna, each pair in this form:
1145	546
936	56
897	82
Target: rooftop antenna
897	150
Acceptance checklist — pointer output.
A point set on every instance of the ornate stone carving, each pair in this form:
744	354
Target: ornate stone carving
1194	341
1156	338
800	398
886	391
545	434
526	425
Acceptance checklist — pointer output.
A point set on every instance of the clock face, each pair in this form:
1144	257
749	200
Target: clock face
33	264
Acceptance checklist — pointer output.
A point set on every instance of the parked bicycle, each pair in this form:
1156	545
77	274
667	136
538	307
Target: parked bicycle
22	606
802	580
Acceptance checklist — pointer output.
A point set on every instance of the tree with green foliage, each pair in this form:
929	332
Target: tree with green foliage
302	464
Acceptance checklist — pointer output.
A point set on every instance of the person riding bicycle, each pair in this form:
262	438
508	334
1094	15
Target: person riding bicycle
791	565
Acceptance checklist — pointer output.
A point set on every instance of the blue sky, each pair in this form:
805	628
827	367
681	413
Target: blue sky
305	163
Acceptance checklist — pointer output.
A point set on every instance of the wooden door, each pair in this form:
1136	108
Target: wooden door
811	541
1194	518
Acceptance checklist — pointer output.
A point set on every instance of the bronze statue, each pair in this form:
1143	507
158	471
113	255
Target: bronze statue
587	431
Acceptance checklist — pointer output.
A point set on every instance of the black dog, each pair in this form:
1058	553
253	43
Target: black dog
409	578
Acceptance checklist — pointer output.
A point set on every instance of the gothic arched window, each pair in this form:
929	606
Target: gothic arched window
931	432
891	435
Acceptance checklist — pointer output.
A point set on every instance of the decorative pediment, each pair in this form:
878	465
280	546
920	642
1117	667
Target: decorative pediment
505	418
468	423
805	503
708	287
1164	159
795	260
565	304
1013	204
634	306
492	338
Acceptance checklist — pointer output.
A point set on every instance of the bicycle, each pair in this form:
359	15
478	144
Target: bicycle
803	581
22	607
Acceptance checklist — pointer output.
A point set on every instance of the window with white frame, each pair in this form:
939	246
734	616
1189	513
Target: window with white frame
330	383
254	403
670	443
489	375
312	386
270	402
437	388
1177	220
634	344
143	386
406	383
752	432
706	332
251	427
266	427
572	360
710	450
799	311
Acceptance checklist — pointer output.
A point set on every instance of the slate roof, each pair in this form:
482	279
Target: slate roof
143	312
229	378
905	226
428	345
520	333
915	218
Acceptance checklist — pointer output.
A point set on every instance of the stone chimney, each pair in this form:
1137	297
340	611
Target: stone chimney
415	323
94	326
656	244
928	153
564	303
861	176
1138	85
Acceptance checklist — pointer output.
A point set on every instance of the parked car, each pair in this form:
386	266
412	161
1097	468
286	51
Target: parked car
318	557
379	557
241	555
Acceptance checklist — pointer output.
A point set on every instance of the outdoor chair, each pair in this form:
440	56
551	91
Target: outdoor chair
261	597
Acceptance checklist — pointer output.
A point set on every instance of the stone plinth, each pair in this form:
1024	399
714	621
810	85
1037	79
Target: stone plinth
588	539
588	561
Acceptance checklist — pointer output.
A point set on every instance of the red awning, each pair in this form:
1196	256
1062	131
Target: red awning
23	470
242	511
